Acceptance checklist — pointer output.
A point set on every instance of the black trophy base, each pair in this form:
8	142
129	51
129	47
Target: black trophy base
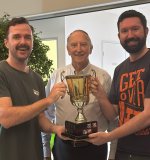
79	131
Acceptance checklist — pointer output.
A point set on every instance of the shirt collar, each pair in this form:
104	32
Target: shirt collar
85	70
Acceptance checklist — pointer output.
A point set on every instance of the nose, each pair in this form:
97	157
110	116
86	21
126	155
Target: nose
22	40
78	47
130	34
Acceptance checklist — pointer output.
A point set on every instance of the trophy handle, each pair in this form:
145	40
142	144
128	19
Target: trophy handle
93	73
62	76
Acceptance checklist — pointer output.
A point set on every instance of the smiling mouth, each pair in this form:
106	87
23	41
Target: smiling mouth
23	48
79	55
131	43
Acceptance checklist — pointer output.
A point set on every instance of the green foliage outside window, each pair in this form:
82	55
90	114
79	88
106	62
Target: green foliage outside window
38	60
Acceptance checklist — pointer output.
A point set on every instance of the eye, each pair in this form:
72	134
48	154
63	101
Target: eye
124	30
73	45
135	28
28	37
17	36
83	44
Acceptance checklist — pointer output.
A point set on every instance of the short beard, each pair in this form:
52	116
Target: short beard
134	49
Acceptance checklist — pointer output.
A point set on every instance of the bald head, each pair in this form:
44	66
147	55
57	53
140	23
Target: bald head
82	32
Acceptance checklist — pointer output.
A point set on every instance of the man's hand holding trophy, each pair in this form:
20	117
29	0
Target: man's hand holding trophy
78	90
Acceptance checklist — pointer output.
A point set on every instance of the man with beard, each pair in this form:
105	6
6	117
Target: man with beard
130	92
22	98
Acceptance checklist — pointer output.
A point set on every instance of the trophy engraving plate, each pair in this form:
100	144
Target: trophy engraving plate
80	130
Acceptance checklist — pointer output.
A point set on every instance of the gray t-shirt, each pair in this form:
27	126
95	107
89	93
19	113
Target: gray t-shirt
23	141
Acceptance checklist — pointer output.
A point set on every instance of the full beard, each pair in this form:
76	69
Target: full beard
134	49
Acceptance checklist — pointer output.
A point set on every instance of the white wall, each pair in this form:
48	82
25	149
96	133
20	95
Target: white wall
53	28
97	25
100	26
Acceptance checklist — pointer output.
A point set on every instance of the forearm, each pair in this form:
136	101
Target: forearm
107	108
135	124
14	115
49	127
100	93
45	124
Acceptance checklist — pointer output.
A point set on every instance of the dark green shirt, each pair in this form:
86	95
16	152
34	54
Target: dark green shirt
23	141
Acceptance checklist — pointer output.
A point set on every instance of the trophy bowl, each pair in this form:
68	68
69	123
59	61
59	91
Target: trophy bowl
78	86
78	90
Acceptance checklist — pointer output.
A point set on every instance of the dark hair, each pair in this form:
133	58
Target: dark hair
132	13
15	21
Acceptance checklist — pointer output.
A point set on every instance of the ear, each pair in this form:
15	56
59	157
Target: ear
68	50
6	43
146	31
91	48
118	35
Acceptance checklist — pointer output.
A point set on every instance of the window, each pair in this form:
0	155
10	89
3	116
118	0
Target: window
52	53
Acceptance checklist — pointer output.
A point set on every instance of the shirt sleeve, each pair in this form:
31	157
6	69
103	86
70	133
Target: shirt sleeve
113	144
50	114
45	136
111	124
46	144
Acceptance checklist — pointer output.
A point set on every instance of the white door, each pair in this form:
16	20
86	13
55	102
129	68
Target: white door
113	54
